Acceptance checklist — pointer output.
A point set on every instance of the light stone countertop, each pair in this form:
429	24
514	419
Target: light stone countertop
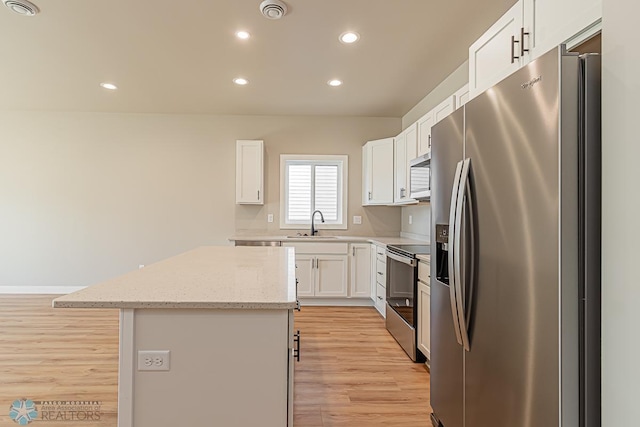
380	241
424	257
208	277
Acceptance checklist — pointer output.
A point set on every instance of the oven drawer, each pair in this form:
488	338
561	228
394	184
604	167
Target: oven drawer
381	300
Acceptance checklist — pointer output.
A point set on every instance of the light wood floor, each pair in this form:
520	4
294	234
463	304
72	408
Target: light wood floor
351	373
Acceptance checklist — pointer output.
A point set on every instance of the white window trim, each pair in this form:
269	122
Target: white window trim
344	179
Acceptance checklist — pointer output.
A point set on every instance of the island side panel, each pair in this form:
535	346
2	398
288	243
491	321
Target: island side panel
227	367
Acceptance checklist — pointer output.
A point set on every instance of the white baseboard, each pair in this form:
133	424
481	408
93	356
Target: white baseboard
44	290
337	302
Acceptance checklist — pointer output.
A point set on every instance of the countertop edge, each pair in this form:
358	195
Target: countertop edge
175	305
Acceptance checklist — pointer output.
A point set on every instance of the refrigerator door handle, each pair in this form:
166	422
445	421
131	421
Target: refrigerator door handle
464	197
452	250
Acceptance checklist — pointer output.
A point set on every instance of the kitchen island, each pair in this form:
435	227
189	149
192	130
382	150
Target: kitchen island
218	323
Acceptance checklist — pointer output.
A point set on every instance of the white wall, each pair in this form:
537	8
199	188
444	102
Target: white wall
620	215
87	196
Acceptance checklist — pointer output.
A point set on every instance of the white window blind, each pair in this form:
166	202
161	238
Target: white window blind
314	183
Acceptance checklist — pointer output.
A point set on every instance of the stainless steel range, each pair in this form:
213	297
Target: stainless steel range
402	288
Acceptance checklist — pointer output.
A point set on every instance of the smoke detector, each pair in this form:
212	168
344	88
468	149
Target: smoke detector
21	7
272	9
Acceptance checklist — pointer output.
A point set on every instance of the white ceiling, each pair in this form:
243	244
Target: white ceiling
181	56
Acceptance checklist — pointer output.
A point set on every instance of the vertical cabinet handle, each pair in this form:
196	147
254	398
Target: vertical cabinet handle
353	250
258	194
522	34
429	145
513	49
296	350
369	195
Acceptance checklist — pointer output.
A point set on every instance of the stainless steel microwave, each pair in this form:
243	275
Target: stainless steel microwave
420	178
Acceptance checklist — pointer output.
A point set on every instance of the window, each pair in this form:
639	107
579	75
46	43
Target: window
310	183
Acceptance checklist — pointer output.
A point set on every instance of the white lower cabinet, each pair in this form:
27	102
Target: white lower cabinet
305	271
424	309
424	319
331	276
321	269
360	268
381	300
381	280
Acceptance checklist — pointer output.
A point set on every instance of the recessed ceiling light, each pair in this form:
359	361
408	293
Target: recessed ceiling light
240	81
349	37
22	7
334	82
109	86
243	35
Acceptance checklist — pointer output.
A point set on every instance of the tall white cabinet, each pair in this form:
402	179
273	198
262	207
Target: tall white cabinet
249	172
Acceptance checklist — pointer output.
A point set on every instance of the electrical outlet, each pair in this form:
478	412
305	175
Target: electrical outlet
270	218
156	360
410	219
140	266
357	219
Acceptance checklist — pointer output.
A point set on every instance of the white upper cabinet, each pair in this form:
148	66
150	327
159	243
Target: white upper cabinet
529	29
497	53
462	96
405	150
441	111
249	172
557	21
424	133
377	172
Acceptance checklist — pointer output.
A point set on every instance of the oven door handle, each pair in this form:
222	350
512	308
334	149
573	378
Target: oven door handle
409	261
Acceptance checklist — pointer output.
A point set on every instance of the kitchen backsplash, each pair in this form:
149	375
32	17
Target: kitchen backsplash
420	226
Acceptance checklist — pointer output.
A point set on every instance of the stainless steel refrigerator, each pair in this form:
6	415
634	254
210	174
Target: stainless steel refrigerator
515	288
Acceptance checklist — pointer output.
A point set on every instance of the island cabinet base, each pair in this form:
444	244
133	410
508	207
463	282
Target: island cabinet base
227	367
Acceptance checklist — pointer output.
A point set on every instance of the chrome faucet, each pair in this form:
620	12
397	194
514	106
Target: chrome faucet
313	228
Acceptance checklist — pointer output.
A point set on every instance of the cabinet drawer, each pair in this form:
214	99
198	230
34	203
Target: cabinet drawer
381	251
318	248
424	272
381	300
381	273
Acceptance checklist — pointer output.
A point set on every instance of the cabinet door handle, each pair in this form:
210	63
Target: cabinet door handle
298	305
296	350
522	34
258	194
353	251
369	195
513	49
380	298
380	273
429	145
